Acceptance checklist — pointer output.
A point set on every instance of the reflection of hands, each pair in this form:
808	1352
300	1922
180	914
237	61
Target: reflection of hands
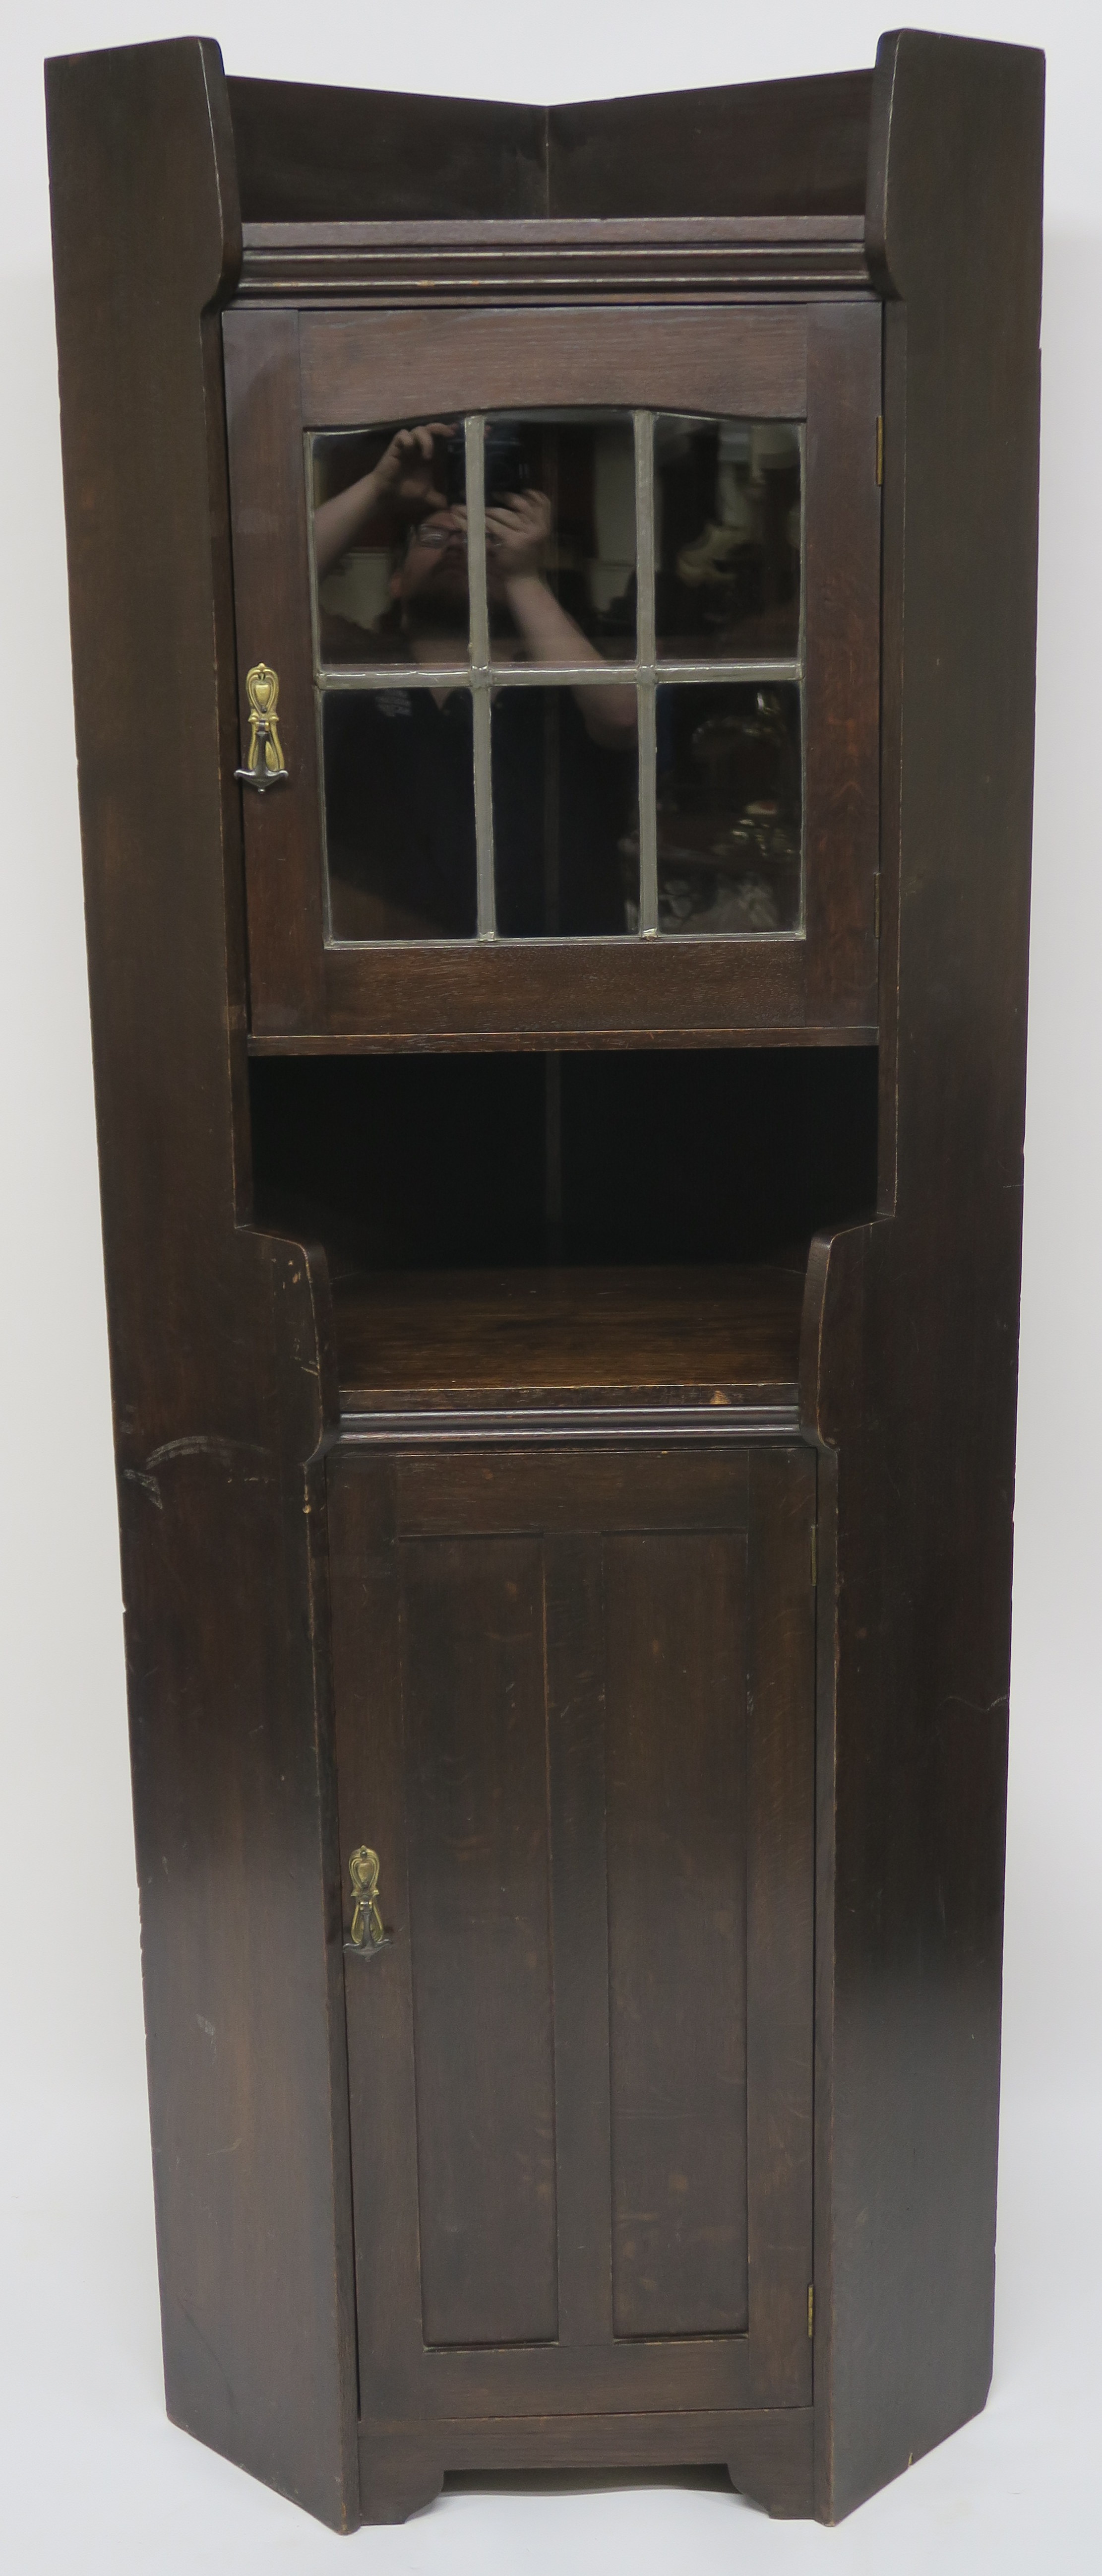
401	480
517	529
404	471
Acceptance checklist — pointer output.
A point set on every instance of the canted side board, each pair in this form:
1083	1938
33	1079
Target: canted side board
911	1323
217	1334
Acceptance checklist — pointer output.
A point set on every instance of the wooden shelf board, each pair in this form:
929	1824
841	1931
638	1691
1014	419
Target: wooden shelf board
713	1334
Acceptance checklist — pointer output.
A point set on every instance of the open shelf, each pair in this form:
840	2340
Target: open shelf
627	1232
716	1334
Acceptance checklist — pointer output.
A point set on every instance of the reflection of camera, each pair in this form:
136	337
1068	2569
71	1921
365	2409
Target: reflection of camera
507	468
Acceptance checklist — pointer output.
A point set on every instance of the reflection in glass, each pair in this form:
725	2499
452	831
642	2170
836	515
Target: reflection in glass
727	538
390	544
560	533
470	792
565	775
729	808
399	812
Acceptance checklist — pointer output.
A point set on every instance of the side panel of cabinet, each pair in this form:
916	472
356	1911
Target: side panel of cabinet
575	1720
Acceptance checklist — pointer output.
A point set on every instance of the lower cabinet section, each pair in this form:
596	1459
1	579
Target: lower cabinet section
575	1721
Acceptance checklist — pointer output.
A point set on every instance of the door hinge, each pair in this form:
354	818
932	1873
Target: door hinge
880	447
814	1554
811	2307
876	906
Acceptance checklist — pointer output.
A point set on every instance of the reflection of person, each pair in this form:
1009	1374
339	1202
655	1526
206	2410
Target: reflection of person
398	489
429	585
399	763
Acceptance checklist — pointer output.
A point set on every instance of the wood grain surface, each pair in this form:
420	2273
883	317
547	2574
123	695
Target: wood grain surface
593	1807
723	1330
796	147
910	1349
220	1365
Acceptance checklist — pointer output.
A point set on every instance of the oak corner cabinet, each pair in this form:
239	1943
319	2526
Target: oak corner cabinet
553	601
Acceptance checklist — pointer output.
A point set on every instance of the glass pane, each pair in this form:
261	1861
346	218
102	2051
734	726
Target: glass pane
399	813
565	768
727	538
390	544
729	808
560	536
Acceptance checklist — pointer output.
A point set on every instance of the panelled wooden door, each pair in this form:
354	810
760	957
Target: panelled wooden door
575	1719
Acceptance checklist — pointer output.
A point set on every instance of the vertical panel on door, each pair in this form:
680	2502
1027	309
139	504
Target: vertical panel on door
574	1597
476	1799
676	1667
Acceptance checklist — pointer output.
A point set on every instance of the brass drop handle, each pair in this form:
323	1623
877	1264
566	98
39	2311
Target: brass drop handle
366	1931
265	758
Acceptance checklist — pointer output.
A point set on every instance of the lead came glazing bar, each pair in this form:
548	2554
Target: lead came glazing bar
648	820
484	813
644	537
475	442
540	675
645	646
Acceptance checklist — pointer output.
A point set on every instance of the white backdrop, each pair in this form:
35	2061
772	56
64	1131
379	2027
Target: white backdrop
90	2473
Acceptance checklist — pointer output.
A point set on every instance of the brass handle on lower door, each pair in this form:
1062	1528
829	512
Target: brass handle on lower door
264	767
366	1930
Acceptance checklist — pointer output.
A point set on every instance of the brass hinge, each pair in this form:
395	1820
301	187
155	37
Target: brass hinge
876	905
814	1554
811	2307
880	447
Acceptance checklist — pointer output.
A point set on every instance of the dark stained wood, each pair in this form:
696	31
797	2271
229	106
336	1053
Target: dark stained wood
268	499
796	147
476	1768
630	990
841	693
677	1719
691	1831
565	1041
364	1577
543	1421
471	1835
780	1905
768	2454
664	1489
321	154
727	1332
533	263
574	1611
221	1378
910	1352
360	368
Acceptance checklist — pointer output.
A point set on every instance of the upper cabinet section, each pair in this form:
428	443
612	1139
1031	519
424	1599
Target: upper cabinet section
559	658
553	441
